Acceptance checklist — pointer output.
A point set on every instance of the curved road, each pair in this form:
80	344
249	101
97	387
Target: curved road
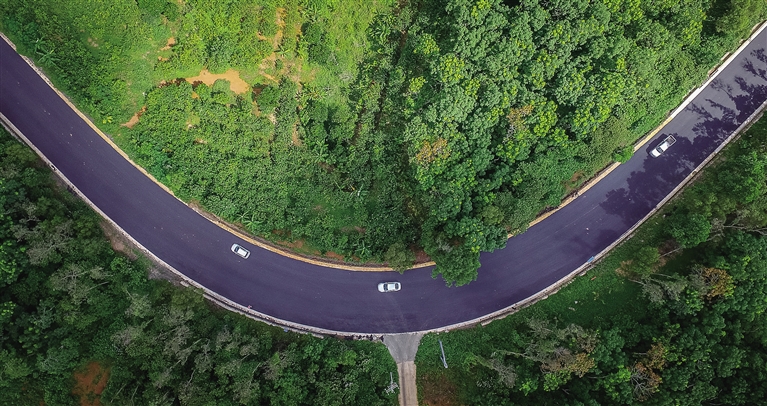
345	301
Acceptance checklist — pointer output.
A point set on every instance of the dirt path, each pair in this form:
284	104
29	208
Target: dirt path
408	393
403	348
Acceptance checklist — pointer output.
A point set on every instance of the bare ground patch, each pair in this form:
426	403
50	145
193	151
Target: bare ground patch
236	84
295	139
90	382
118	242
134	120
280	20
170	43
290	67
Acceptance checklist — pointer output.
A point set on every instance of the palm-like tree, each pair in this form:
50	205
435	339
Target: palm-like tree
46	52
363	250
311	12
252	222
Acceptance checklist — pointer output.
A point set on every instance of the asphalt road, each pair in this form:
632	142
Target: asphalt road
348	301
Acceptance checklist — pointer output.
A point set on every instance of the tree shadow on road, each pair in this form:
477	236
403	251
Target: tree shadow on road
717	120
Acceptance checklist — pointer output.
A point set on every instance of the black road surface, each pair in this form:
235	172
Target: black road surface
346	301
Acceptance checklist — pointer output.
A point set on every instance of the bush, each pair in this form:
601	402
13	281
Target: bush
399	257
689	229
623	154
268	99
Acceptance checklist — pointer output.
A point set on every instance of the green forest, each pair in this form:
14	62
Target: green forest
674	316
378	131
80	322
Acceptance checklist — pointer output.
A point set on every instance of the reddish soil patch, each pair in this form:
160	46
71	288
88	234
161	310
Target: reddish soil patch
236	84
572	184
257	89
90	382
421	256
164	83
171	42
134	120
438	391
333	255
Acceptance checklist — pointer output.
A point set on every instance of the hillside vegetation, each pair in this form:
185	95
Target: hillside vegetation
82	324
674	316
373	129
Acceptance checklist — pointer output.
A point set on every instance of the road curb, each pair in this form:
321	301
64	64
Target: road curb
593	260
219	223
712	74
357	268
224	302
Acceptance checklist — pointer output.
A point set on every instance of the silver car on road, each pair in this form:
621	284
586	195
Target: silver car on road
239	250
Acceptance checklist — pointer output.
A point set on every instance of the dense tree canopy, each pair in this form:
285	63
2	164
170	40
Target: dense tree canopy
375	128
505	103
673	316
68	303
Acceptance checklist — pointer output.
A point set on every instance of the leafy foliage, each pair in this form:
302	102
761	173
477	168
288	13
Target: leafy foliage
444	125
669	317
67	299
511	99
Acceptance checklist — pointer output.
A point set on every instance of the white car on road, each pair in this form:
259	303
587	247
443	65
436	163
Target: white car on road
663	146
384	287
